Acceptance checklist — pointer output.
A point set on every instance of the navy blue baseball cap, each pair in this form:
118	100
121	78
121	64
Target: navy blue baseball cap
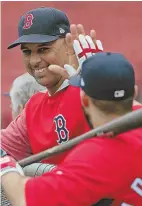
42	25
106	76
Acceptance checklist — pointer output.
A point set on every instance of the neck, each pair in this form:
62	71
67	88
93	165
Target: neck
52	90
100	118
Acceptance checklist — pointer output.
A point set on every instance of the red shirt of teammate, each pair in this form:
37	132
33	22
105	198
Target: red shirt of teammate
91	172
99	167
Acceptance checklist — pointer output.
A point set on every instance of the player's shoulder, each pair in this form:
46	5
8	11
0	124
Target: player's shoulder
73	92
90	147
39	95
68	93
37	98
130	141
73	89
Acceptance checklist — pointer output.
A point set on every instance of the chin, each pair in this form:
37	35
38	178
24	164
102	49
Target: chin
41	82
45	82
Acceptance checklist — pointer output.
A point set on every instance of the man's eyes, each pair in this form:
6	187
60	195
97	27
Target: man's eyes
40	50
43	49
26	52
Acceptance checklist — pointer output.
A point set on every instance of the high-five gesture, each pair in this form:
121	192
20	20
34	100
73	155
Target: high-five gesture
79	47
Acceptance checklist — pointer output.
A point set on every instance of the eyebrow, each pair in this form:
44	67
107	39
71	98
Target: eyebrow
40	45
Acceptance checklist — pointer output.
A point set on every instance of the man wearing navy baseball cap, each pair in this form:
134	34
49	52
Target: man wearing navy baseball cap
107	81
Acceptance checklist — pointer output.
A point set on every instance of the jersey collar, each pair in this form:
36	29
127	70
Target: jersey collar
63	85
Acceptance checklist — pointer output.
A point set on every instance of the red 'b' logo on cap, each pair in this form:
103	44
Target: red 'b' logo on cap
28	21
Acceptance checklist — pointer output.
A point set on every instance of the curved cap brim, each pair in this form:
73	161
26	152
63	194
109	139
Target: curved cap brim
33	38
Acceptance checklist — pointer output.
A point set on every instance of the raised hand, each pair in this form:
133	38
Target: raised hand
79	47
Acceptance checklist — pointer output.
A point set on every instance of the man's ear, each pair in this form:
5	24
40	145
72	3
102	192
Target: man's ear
84	99
136	91
135	95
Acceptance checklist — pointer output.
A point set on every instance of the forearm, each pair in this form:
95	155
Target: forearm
13	185
14	139
37	169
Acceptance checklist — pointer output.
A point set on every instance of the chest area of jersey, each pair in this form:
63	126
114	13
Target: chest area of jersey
54	123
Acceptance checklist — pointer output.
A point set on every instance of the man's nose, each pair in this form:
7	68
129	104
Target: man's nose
35	59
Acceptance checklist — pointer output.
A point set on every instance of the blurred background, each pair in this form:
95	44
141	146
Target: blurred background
118	26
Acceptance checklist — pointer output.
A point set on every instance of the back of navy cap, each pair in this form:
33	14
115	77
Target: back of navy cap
106	76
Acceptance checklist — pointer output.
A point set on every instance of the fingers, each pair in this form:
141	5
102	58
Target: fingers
76	30
65	72
78	50
90	42
99	45
80	29
93	35
81	46
85	44
69	42
72	59
55	69
70	70
77	33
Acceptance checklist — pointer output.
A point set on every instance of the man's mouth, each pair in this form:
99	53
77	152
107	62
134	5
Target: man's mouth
40	71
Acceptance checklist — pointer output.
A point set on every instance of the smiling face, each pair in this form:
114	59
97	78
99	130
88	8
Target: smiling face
38	57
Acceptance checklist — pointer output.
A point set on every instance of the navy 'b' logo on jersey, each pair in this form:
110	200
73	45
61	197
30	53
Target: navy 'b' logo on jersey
62	131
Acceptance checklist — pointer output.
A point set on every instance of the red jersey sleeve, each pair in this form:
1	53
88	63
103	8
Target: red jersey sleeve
14	139
86	176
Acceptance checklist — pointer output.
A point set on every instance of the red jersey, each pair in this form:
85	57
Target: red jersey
45	122
97	168
53	120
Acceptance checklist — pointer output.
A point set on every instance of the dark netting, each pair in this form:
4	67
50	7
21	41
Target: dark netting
36	169
4	200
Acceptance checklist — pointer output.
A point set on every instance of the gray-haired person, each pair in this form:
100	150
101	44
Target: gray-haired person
23	88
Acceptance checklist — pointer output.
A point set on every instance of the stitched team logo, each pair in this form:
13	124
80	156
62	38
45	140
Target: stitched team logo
28	21
62	131
62	31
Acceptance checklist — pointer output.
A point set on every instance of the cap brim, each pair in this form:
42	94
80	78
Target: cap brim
75	80
33	38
